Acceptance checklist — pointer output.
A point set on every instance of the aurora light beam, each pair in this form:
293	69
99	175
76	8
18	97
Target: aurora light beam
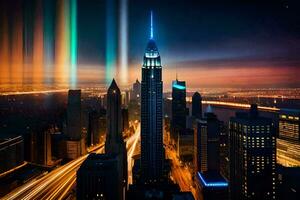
73	43
111	45
123	39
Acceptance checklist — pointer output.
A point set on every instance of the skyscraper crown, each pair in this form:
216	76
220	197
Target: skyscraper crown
113	88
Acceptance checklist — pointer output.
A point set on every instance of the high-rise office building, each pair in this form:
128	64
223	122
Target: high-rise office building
252	156
74	115
136	91
179	110
152	154
75	144
210	184
288	142
114	143
94	128
197	105
98	178
207	143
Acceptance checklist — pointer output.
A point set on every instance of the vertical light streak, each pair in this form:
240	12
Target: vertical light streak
48	40
151	26
67	41
73	43
62	44
123	38
28	41
111	45
38	45
17	46
4	47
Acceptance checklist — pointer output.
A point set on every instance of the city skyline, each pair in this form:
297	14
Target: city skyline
228	129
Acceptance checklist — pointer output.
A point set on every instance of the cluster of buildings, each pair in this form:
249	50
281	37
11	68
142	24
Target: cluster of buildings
244	159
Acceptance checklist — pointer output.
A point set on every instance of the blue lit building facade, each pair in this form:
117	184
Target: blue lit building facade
152	154
211	186
179	111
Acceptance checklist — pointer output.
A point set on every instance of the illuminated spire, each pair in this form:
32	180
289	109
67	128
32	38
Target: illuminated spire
151	28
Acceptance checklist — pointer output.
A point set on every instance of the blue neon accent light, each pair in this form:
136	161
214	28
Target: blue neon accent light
151	26
180	87
212	184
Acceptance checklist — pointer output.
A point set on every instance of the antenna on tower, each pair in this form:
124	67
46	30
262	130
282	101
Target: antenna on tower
151	26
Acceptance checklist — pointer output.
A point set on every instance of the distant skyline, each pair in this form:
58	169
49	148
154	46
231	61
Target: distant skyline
216	44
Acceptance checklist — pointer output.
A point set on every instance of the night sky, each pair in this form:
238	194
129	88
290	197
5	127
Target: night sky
245	43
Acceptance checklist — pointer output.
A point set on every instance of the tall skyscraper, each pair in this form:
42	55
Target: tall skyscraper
179	111
207	143
210	184
74	115
252	156
114	139
75	134
197	105
152	154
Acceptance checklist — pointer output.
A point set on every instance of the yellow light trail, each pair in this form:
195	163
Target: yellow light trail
237	105
33	92
131	146
12	170
57	183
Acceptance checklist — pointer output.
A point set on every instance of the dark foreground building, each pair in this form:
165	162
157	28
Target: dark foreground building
98	178
211	185
252	156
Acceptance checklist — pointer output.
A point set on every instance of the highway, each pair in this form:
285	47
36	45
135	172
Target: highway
58	183
131	145
181	174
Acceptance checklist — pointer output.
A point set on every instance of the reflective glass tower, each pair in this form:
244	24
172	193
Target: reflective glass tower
151	113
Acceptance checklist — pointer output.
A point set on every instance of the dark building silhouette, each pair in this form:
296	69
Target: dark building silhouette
197	105
179	110
114	143
11	153
252	156
125	119
207	143
93	128
74	115
136	91
98	178
152	154
76	135
288	182
210	184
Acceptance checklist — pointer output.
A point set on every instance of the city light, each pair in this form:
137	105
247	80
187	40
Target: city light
211	184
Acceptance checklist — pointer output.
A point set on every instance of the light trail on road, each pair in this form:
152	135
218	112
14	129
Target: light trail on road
181	174
131	148
59	182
